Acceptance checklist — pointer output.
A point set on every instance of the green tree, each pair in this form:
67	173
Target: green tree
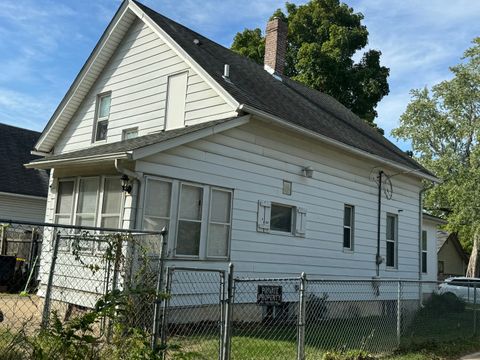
443	125
323	36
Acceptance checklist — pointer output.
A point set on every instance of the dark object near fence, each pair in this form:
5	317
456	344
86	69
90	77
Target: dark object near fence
7	271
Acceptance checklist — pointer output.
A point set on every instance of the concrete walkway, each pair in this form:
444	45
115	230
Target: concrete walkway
475	356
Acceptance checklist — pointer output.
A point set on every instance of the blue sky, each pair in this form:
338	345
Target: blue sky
44	43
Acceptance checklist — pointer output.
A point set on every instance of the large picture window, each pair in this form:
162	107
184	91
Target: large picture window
199	219
89	201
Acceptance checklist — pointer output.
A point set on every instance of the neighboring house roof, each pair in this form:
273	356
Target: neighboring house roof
128	147
15	146
444	236
433	218
251	85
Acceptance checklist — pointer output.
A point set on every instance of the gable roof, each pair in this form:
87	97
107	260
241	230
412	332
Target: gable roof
15	146
138	147
251	85
444	236
251	89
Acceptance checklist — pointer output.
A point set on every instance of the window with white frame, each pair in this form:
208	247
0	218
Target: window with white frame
424	252
348	221
89	201
199	222
281	218
391	237
101	116
220	218
130	133
156	214
65	200
189	223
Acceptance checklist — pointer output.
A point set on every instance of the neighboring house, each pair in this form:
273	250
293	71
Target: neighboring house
452	259
429	241
23	192
241	163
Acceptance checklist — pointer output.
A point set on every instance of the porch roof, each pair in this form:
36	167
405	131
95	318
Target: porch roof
141	146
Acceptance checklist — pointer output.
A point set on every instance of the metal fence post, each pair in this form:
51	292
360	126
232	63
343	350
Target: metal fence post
228	316
222	313
301	318
166	302
3	239
399	313
48	292
159	297
474	309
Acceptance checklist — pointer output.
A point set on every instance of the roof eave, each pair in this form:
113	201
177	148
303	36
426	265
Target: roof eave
338	144
48	164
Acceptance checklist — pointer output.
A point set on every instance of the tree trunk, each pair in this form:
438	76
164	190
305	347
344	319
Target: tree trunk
474	263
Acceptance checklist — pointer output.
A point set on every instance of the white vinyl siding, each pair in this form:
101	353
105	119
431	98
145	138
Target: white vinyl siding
137	76
23	208
176	93
254	160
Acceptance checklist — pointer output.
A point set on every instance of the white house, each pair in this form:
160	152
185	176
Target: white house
429	243
241	163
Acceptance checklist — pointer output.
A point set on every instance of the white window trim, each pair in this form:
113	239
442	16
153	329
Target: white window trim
351	227
395	242
174	217
125	131
99	119
264	220
202	222
99	205
219	223
425	251
293	209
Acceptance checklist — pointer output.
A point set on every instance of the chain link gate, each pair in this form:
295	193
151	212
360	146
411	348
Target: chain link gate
193	314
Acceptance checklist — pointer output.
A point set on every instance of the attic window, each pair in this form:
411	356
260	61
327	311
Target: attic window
102	115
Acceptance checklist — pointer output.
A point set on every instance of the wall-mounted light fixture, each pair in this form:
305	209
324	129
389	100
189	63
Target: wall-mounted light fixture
126	185
308	172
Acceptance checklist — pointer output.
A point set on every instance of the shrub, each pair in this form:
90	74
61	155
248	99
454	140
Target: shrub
439	304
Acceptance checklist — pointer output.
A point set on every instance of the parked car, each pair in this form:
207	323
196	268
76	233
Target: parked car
462	287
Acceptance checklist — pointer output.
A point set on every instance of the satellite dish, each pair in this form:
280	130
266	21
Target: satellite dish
387	186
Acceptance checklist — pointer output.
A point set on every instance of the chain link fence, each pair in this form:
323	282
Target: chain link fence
106	293
63	286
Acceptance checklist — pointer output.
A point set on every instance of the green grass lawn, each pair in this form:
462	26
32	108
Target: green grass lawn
424	337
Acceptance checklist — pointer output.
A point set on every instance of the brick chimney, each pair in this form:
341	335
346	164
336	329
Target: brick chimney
275	45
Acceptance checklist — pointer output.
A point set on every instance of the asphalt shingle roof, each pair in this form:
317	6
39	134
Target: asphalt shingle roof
133	144
15	146
287	99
